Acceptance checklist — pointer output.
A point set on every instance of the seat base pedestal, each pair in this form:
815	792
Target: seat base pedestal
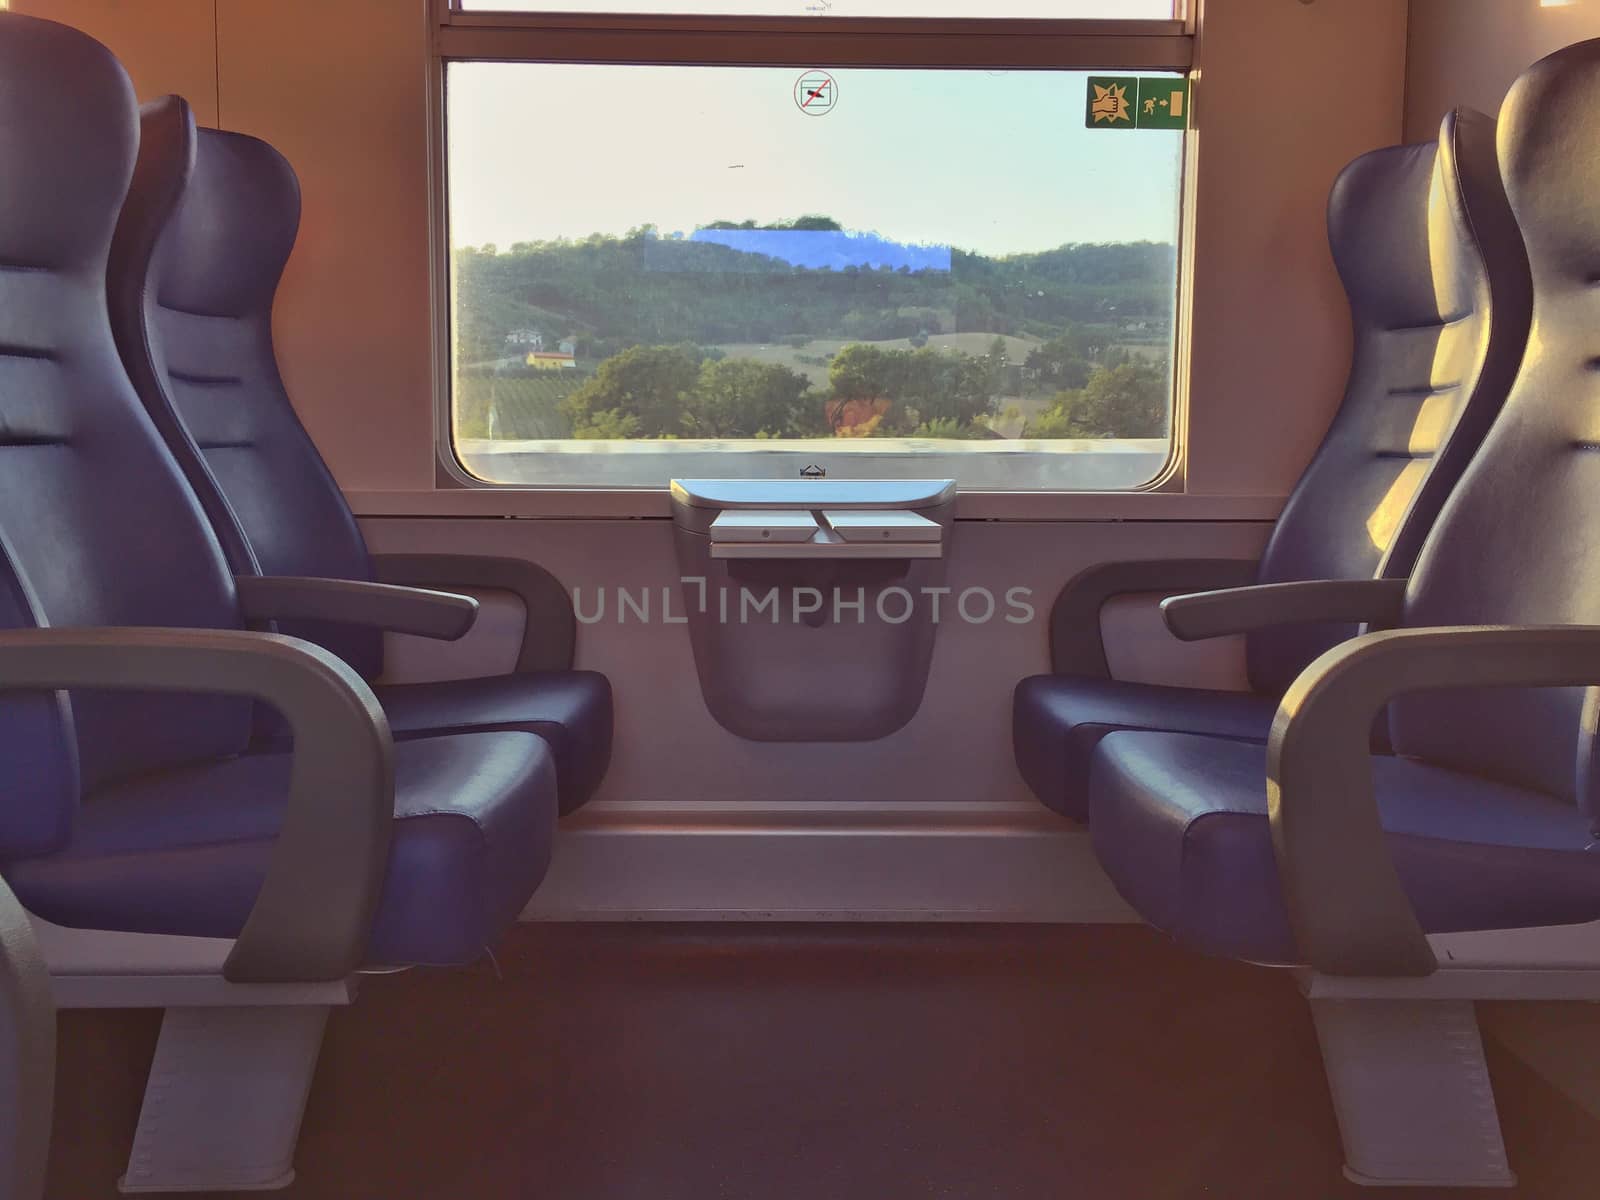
1412	1093
222	1107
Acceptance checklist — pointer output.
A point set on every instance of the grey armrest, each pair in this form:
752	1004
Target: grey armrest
27	1055
430	614
314	911
1349	913
1239	610
1076	644
550	633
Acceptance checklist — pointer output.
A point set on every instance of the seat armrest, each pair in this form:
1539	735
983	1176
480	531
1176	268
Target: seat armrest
430	614
550	630
1201	615
312	917
27	1055
1076	644
1349	913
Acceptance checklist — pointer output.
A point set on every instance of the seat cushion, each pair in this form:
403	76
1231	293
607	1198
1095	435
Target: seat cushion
1180	824
184	851
571	710
1056	721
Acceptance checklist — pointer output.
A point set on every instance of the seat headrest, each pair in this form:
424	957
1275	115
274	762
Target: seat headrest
240	209
1377	229
1399	217
79	142
1550	161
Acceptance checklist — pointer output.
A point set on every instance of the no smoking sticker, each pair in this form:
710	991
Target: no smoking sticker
816	93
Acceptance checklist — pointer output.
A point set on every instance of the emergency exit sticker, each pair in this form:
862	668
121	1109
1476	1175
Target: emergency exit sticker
1126	102
1163	104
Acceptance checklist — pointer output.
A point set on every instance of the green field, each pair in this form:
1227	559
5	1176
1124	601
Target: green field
517	407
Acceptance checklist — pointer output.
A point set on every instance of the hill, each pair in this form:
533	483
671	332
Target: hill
613	292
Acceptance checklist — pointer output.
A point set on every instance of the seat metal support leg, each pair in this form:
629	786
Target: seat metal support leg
1412	1093
223	1104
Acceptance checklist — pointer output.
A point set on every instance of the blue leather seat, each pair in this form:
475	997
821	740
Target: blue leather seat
1429	372
209	223
185	850
1488	814
1180	823
569	710
147	809
1057	720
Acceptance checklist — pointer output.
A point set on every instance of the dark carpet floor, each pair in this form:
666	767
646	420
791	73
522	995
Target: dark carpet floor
738	1062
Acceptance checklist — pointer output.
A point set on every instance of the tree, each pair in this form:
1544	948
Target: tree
1056	419
1126	401
910	388
738	398
975	311
607	425
642	389
1062	362
995	363
860	372
813	223
931	386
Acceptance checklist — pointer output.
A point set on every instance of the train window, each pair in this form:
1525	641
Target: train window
691	269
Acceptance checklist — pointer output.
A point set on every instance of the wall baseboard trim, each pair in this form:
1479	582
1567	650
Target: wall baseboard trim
929	869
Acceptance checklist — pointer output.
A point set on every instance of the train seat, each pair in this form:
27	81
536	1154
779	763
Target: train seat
1386	879
209	223
1438	292
134	799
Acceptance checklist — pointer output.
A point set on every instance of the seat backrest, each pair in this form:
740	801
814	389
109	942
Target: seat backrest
1438	287
1518	542
97	526
210	222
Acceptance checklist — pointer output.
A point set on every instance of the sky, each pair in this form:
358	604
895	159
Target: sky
994	162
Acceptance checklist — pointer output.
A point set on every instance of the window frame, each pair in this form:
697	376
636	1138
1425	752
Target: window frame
763	41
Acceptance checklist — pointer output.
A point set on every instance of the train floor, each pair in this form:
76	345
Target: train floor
801	1062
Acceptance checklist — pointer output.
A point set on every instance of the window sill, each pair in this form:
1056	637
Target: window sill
624	503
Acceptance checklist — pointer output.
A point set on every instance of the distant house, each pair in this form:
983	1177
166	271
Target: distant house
551	360
568	346
526	339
